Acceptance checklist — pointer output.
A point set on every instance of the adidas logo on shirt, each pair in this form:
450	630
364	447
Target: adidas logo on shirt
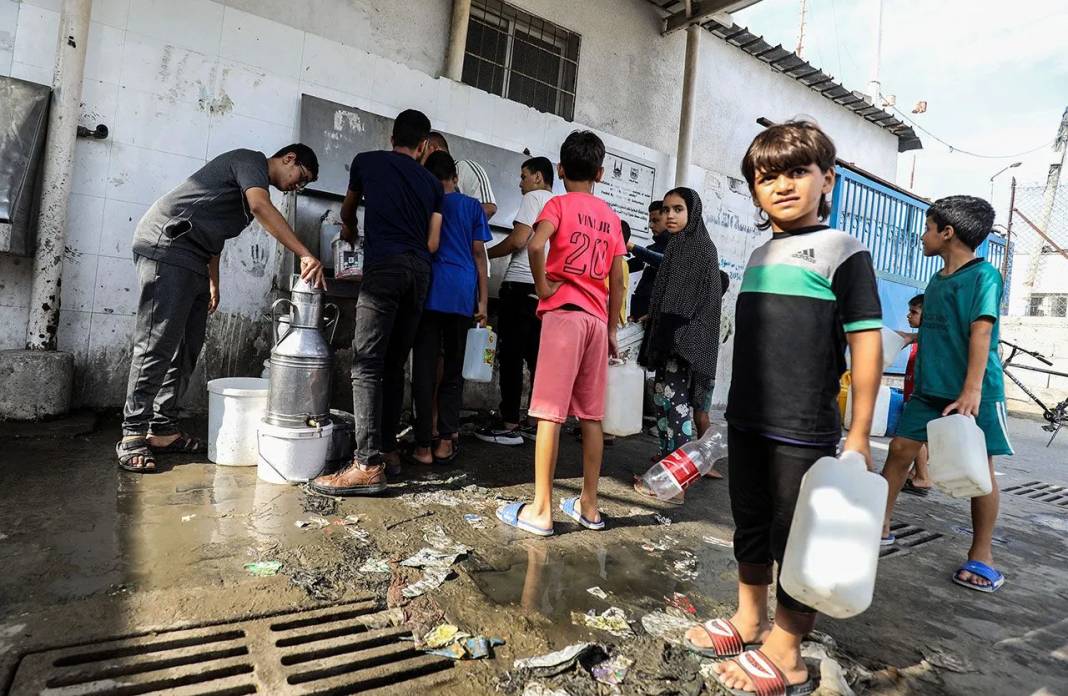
806	255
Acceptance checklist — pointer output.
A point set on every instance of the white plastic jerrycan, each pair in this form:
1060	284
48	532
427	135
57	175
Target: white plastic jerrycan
957	456
833	550
893	343
623	399
880	417
479	353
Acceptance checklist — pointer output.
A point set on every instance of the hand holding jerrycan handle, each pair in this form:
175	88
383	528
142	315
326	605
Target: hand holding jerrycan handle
833	551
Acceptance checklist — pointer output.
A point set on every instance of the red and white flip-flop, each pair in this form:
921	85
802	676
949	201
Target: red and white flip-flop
726	641
768	680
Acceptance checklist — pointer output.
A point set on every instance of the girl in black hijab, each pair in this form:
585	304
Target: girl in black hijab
681	341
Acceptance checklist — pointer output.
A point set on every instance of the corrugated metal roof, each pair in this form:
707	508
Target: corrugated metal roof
793	65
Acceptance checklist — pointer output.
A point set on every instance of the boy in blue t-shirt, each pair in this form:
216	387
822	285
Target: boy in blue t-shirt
458	291
958	369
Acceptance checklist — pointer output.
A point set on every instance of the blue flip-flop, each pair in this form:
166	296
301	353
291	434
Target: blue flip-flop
994	577
569	506
509	514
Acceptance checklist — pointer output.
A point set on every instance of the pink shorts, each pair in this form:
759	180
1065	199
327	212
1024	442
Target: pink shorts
572	367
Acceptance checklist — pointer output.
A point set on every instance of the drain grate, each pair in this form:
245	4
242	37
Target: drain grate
909	536
1042	492
342	649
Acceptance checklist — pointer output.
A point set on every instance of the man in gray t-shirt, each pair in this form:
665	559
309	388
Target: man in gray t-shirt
176	249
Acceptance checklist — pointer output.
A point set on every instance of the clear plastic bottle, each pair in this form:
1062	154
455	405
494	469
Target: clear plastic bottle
672	474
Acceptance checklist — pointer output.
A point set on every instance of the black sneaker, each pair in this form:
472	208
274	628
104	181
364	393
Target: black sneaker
499	436
528	431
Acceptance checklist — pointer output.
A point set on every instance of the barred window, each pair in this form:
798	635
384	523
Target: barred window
1042	305
521	57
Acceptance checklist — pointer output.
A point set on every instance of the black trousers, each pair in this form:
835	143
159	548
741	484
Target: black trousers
172	318
765	477
387	316
442	335
519	335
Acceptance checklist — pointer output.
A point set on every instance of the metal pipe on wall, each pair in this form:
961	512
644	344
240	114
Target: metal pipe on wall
43	322
454	59
689	100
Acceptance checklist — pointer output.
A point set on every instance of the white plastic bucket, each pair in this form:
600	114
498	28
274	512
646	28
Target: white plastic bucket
292	455
235	406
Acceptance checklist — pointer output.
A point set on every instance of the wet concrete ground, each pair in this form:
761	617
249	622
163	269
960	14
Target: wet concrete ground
88	552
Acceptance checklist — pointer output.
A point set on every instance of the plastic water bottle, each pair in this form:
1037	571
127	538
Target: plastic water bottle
623	399
957	456
479	353
832	553
672	474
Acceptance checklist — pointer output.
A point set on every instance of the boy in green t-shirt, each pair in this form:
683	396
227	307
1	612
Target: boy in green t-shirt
958	368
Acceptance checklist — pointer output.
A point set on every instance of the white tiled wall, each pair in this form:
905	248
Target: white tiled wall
179	82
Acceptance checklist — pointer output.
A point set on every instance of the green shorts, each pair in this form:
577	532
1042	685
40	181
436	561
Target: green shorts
993	421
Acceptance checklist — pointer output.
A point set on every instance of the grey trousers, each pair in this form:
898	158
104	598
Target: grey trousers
172	318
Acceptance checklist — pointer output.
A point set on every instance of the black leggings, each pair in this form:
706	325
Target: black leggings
765	477
440	335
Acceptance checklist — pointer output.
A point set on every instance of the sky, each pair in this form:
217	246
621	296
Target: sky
994	75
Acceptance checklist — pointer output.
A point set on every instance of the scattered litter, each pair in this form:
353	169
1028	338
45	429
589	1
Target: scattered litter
613	621
384	619
436	537
539	689
442	635
479	647
686	567
555	662
314	521
361	536
667	627
417	500
314	582
432	558
662	519
3	536
682	603
318	503
432	578
598	592
833	680
263	568
944	659
185	518
455	651
664	544
375	565
476	521
613	671
718	542
437	480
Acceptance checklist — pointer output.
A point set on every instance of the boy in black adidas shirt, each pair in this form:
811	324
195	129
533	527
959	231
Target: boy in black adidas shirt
806	294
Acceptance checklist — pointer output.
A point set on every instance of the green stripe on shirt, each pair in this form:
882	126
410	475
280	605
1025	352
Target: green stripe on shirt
782	279
863	325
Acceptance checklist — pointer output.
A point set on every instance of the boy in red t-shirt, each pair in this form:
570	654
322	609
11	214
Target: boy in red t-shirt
577	337
919	483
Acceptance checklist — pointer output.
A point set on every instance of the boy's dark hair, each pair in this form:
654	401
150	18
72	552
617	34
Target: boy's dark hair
542	165
581	155
410	128
626	231
971	218
438	140
656	206
785	146
441	165
916	301
305	157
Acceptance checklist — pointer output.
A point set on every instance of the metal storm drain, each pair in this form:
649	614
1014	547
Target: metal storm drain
908	537
343	649
1042	492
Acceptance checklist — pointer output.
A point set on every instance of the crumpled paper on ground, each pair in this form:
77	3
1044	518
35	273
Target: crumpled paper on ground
431	558
612	620
671	629
375	565
555	662
432	578
613	671
539	689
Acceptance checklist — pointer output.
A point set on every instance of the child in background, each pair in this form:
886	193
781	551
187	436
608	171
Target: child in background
919	483
458	292
958	370
579	314
805	294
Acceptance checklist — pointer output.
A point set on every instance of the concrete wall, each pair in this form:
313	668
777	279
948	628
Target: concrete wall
1049	337
178	83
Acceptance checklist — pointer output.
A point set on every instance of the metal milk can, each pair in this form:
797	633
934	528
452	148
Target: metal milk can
298	395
